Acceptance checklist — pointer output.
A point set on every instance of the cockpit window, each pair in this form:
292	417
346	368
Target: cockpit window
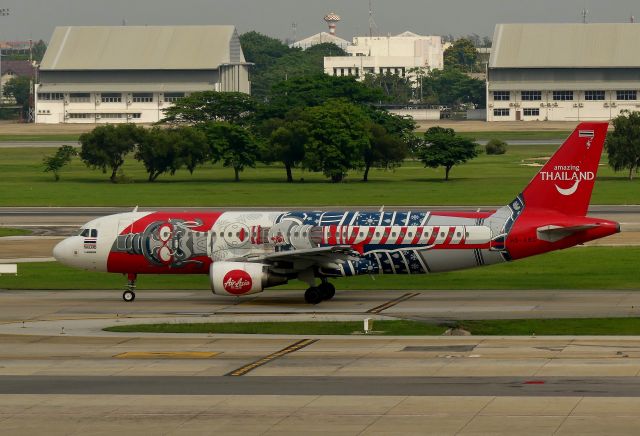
84	232
94	233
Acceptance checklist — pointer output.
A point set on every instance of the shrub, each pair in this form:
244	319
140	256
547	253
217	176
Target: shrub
496	146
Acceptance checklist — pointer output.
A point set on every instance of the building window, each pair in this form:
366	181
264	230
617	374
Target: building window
80	116
502	112
563	95
594	95
143	97
501	95
531	95
172	97
51	96
626	95
137	115
113	116
531	112
111	97
79	97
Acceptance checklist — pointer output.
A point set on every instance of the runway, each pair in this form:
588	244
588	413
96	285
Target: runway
61	374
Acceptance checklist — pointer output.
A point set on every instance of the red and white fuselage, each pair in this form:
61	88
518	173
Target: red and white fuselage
247	251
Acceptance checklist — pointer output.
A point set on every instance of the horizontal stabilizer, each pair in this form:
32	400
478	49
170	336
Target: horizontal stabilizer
553	233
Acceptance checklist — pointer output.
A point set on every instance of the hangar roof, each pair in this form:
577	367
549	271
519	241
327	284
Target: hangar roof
142	48
566	45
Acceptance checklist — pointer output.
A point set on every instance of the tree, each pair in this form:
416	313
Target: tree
20	89
395	88
462	54
442	147
623	144
201	107
338	138
158	152
314	90
192	147
56	162
38	50
390	138
231	144
385	150
105	147
452	87
262	50
287	144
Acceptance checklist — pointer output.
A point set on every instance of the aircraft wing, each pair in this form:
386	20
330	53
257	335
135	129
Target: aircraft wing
325	257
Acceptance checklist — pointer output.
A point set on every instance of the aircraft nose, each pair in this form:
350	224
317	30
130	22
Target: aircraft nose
62	251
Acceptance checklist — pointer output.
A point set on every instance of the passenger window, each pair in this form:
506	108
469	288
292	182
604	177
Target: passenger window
458	234
426	234
377	234
393	235
213	234
442	234
94	233
296	235
410	234
361	234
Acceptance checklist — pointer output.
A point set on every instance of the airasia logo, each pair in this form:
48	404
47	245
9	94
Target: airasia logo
237	282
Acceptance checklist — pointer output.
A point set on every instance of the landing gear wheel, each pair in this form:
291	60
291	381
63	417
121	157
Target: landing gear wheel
313	295
128	296
327	290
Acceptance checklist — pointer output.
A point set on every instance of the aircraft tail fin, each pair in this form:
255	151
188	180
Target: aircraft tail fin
565	182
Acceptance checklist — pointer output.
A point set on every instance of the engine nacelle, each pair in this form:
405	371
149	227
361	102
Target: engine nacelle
242	278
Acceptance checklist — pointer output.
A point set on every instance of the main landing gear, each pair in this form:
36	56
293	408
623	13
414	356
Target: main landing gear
129	293
316	294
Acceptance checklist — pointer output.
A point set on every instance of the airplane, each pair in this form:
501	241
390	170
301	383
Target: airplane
245	252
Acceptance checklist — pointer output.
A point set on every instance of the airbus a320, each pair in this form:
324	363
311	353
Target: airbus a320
248	251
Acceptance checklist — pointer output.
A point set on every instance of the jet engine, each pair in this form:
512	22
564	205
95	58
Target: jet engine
242	278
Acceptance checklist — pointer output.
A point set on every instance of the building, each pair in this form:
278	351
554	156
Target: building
133	73
321	38
332	19
10	69
401	54
563	72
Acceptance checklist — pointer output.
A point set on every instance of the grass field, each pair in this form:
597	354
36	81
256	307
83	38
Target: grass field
526	327
34	137
5	231
297	328
576	268
520	135
487	180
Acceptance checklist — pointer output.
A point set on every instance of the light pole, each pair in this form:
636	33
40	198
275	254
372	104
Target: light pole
3	13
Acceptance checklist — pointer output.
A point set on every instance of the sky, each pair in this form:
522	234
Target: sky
36	19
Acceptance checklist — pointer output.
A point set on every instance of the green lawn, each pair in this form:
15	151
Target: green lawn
527	327
297	328
6	231
576	268
487	180
519	135
51	137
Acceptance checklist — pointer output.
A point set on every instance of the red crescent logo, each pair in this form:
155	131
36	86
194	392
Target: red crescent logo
237	282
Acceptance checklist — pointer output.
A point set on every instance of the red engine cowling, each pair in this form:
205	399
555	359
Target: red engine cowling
242	278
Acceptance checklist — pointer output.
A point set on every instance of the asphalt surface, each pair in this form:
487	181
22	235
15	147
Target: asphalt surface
354	386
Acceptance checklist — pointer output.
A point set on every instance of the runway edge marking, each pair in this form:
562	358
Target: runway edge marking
288	349
393	302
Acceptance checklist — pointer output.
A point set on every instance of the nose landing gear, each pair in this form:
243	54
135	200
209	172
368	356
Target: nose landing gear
129	293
